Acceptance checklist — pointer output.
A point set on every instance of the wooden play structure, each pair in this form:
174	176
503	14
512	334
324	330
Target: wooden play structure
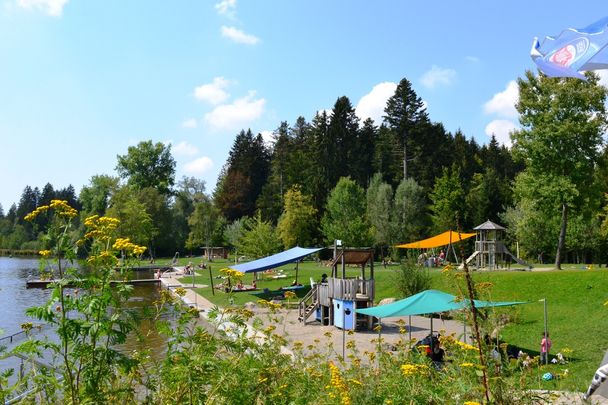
334	302
490	251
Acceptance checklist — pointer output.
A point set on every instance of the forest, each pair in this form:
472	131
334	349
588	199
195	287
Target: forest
365	183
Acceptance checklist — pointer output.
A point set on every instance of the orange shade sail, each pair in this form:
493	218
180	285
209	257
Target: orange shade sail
442	239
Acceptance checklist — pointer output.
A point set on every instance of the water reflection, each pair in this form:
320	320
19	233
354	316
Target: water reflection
16	299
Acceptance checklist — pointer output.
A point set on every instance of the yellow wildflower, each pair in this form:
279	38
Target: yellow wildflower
466	364
466	346
414	369
472	403
45	253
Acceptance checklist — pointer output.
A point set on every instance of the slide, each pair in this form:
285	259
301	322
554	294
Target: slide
517	259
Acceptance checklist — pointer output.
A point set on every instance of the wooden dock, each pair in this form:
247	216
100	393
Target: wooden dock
37	283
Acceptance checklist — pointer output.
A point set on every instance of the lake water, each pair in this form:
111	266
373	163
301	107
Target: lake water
15	299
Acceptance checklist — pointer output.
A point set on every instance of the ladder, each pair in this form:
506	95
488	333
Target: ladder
308	304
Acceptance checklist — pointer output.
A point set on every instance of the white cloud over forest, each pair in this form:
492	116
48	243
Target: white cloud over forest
372	104
501	129
184	149
238	114
503	103
198	166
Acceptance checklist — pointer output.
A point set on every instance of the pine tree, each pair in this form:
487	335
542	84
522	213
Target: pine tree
404	111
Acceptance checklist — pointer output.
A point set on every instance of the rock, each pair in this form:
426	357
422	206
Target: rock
250	305
387	301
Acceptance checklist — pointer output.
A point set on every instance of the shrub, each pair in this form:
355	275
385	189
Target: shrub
412	279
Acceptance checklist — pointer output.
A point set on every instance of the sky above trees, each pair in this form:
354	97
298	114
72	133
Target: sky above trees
81	81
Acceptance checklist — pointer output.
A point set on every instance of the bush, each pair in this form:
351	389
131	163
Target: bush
411	279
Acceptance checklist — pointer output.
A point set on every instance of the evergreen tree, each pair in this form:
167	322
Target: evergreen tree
404	111
361	165
243	177
270	201
341	143
27	203
68	194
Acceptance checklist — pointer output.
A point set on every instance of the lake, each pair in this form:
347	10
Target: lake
15	299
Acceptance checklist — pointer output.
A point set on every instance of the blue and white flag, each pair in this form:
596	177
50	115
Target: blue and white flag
573	51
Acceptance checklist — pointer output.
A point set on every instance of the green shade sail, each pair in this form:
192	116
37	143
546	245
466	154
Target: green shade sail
428	302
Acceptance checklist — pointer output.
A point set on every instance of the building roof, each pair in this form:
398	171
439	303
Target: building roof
489	225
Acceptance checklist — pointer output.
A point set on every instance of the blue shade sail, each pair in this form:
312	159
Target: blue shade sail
265	263
573	51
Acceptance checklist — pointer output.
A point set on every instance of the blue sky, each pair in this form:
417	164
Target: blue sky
82	80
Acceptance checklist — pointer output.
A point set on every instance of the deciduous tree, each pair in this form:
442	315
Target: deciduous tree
562	124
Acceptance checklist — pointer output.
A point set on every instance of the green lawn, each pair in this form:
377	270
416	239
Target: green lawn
577	318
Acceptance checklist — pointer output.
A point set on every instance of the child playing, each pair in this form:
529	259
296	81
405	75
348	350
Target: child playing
545	346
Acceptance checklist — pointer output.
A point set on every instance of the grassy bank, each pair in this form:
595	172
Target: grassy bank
575	297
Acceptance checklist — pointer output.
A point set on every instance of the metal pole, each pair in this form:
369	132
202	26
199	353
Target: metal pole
379	339
431	333
410	330
211	280
546	328
343	331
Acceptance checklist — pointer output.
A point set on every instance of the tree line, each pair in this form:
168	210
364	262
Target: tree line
366	183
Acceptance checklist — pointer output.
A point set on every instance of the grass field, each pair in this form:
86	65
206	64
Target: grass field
577	318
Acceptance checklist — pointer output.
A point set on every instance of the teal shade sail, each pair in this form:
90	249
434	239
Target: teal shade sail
428	302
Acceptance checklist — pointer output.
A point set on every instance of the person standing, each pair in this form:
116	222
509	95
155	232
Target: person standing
545	347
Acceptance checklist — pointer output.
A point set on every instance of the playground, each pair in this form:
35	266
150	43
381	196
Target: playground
575	298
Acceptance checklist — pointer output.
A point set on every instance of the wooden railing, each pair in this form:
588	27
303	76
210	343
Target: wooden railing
308	304
351	289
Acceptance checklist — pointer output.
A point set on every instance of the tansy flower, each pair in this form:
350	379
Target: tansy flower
45	253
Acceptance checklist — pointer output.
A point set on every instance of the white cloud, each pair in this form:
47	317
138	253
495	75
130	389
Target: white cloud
472	59
239	36
437	77
503	103
51	7
373	103
213	92
226	7
236	115
184	149
189	123
268	137
603	77
501	129
198	166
